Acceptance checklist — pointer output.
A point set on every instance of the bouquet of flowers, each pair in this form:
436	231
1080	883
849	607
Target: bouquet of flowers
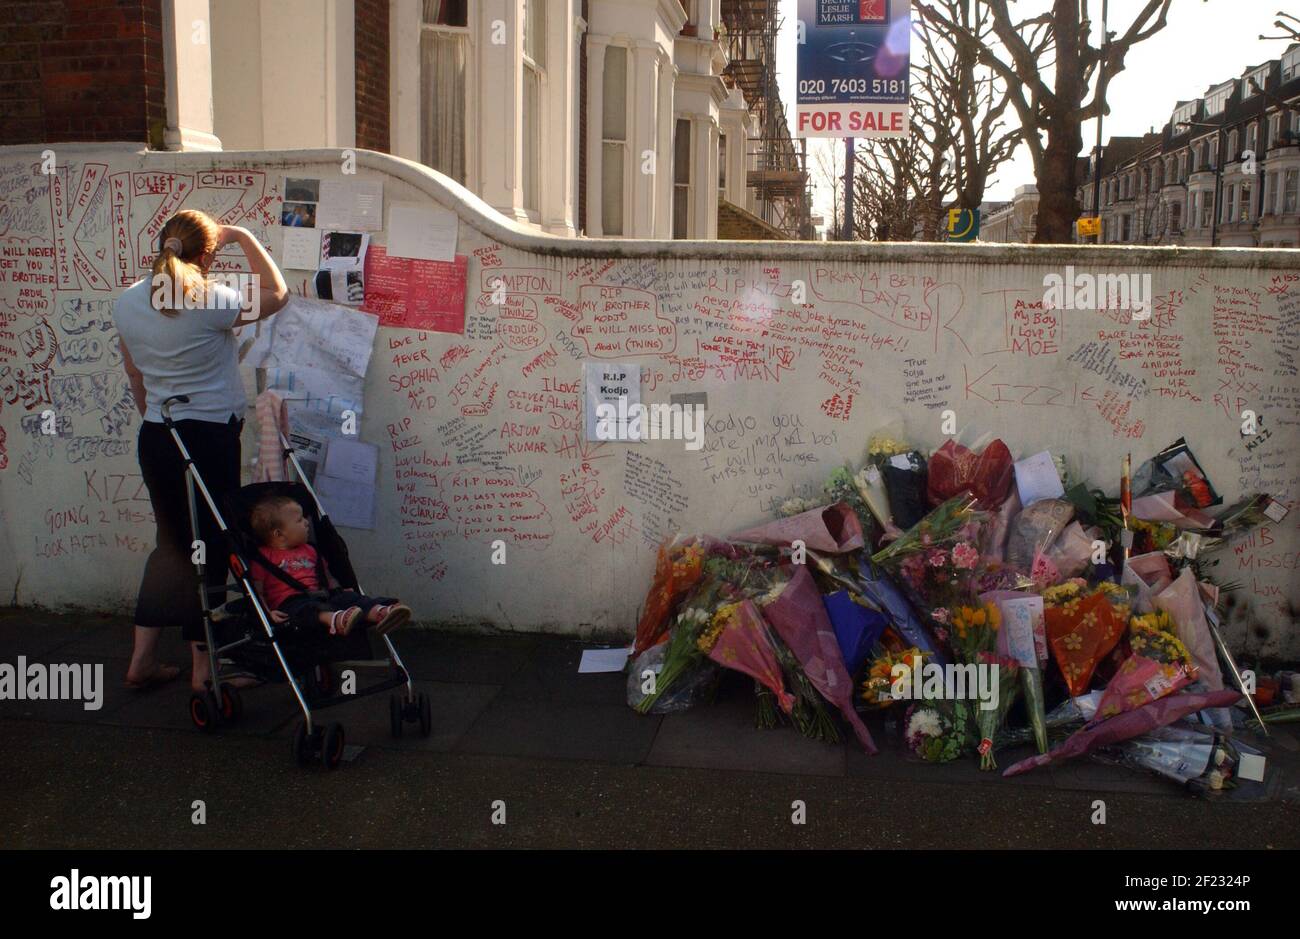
800	619
739	639
989	720
1083	626
1160	665
936	731
874	691
936	559
841	487
698	613
678	567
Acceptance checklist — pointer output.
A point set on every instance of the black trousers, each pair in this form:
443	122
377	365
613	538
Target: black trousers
169	590
304	609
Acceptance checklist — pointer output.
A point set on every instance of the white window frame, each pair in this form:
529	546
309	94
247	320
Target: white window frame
624	143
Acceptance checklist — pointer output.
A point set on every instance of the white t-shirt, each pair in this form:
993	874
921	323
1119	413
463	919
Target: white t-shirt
193	353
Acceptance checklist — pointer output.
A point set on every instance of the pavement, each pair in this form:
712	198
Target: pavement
526	753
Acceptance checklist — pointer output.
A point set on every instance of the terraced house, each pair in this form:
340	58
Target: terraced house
1224	170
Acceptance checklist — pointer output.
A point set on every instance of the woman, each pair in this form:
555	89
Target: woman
176	331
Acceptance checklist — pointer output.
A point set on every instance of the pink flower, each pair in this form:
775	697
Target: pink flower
925	538
936	558
939	614
965	556
941	634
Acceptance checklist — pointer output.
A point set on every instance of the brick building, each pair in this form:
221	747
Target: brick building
1224	170
549	110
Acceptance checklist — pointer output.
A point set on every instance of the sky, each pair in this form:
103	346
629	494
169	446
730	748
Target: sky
1205	42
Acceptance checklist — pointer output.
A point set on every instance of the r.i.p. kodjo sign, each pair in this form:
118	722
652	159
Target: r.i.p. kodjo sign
853	61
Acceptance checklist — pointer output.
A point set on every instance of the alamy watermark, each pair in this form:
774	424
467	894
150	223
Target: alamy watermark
242	292
37	681
638	421
930	681
1085	291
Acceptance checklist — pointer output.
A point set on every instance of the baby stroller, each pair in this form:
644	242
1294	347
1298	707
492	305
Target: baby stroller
241	640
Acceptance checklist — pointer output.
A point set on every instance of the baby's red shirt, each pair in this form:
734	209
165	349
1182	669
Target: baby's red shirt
299	563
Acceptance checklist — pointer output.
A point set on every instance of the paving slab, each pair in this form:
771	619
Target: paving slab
723	736
608	733
455	707
550	673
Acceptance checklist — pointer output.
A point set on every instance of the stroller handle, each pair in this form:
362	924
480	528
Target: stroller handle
166	406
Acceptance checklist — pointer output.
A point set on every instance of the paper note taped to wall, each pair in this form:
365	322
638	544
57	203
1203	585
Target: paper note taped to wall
413	294
612	387
351	205
316	352
423	232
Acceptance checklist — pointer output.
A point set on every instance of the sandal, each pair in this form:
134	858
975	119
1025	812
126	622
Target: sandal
342	620
160	676
391	617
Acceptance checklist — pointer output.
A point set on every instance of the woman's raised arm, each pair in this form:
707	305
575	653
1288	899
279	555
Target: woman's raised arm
273	292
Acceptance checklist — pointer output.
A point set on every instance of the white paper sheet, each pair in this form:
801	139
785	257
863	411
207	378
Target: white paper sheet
1037	479
607	383
603	660
301	251
351	205
347	503
417	231
1251	767
316	352
351	459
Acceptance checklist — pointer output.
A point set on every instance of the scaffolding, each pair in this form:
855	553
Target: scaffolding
777	168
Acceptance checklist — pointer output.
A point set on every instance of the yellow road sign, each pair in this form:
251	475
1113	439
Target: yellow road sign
1088	225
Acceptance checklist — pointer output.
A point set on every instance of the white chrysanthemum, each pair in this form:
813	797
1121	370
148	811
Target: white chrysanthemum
926	723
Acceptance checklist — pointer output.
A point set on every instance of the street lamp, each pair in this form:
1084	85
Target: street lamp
1219	157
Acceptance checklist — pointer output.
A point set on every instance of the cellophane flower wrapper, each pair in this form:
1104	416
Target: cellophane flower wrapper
937	731
1182	601
1034	531
1158	713
799	618
832	529
1071	552
841	487
1176	469
955	469
881	590
1169	507
857	629
679	565
1139	681
905	485
988	721
999	530
937	559
1147	574
1176	752
1080	634
694	616
745	646
1070	714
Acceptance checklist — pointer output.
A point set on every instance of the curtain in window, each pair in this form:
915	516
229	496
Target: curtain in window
442	101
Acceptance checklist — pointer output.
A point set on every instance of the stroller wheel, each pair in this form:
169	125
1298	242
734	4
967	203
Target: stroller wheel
395	714
331	751
203	711
426	714
304	747
232	703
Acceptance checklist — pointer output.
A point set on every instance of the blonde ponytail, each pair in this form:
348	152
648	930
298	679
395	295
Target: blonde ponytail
177	275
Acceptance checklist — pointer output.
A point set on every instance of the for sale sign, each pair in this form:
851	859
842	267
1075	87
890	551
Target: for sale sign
853	62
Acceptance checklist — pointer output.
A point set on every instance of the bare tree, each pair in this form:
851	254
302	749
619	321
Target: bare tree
884	202
830	170
970	96
1056	110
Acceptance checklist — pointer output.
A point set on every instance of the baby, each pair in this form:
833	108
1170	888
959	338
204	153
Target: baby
281	527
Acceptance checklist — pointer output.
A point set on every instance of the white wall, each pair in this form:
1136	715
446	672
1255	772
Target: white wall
283	73
792	391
